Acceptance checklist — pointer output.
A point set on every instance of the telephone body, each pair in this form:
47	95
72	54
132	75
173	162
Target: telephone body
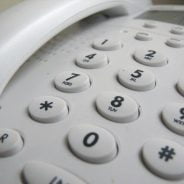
47	44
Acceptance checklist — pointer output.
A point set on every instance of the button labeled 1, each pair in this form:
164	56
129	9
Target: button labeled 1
164	158
72	82
117	107
10	142
92	144
42	173
150	57
137	79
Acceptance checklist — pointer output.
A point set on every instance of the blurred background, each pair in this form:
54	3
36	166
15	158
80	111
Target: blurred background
4	4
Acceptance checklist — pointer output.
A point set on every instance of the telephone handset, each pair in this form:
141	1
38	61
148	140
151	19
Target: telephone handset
101	102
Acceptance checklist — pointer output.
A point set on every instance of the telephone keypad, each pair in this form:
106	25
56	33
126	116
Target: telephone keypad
137	79
48	109
164	158
72	82
150	57
92	60
117	107
92	144
10	142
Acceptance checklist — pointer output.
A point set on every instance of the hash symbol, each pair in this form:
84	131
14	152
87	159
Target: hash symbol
167	153
46	105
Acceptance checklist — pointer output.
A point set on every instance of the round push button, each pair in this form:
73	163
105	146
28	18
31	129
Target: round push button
107	44
92	60
143	36
48	109
164	158
117	107
173	117
150	57
92	144
137	79
72	82
10	142
175	43
178	30
150	24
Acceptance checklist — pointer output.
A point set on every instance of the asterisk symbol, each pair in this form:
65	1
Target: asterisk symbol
46	105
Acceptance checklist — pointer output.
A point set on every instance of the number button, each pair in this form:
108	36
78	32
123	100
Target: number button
137	79
175	43
150	57
92	60
117	107
177	30
10	142
164	158
107	44
173	117
72	82
92	144
48	109
142	36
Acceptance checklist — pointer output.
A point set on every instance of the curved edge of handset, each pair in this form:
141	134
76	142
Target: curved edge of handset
30	24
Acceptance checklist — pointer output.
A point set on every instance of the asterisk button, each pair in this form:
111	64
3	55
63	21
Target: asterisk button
48	109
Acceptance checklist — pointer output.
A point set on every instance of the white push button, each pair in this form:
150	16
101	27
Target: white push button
150	57
178	30
48	109
72	82
164	158
42	173
180	86
92	144
92	60
137	79
150	24
107	44
117	107
143	36
10	142
173	117
175	43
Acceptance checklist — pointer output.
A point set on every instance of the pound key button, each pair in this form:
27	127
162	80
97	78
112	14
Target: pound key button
43	173
164	158
10	142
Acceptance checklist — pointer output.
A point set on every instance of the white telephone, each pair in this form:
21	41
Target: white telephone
100	102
